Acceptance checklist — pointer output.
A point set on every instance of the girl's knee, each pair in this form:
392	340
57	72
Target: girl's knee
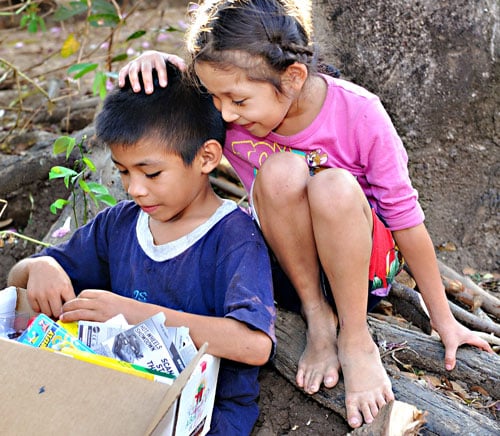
337	192
281	174
336	185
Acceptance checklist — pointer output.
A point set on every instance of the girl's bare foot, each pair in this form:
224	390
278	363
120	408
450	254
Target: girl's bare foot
319	362
367	385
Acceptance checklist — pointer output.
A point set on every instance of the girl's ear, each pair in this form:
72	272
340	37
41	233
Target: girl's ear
295	76
210	156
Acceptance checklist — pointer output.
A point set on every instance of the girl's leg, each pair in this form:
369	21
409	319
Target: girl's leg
342	223
281	201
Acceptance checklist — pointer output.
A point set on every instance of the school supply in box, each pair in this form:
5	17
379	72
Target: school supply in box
149	344
43	332
47	393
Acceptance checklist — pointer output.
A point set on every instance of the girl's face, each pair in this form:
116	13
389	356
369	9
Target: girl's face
158	181
256	106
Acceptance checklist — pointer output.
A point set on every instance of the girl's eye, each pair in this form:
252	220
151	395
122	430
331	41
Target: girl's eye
153	175
238	102
123	172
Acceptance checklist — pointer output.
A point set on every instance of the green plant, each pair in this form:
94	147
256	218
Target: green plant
10	235
74	180
100	13
32	20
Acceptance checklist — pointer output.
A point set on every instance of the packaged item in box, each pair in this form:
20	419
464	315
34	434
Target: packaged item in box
43	332
92	333
146	344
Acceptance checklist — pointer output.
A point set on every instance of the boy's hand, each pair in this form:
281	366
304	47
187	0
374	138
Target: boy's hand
95	305
48	286
147	62
455	335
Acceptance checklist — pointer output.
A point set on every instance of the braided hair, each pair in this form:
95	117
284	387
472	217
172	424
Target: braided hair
262	37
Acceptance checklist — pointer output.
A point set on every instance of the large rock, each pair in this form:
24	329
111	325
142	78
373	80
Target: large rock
435	67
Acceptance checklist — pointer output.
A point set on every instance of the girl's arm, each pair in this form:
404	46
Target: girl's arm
417	249
226	337
145	63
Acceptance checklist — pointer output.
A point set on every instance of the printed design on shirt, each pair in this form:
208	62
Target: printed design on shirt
256	152
316	160
140	295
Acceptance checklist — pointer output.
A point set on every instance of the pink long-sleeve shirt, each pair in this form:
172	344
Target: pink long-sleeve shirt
352	131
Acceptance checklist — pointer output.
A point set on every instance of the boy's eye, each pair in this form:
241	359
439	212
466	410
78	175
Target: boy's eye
153	175
123	172
238	102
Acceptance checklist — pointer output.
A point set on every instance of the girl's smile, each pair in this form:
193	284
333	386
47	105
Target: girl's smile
254	105
258	106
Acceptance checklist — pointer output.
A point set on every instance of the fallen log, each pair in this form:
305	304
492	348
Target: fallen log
489	302
445	416
408	303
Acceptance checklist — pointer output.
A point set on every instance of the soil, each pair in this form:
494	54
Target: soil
284	409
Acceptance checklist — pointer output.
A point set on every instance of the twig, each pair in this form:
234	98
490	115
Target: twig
25	77
4	233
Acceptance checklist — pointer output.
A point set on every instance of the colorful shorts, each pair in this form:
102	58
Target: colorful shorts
385	263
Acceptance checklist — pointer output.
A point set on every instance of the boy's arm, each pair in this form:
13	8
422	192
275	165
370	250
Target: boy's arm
226	337
47	284
417	249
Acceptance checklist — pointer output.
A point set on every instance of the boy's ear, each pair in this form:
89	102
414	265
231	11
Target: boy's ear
210	155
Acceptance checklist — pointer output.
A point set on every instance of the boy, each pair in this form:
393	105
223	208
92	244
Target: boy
177	247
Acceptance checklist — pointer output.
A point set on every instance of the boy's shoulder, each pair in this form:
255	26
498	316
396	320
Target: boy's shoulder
239	219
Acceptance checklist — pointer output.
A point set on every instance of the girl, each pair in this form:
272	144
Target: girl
323	166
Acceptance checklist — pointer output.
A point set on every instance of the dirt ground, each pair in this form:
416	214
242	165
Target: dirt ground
284	409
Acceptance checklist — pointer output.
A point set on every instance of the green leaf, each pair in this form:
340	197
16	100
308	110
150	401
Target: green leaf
83	185
89	163
136	35
32	26
59	172
94	198
107	199
104	20
82	69
97	188
119	57
99	85
62	144
103	7
58	204
63	13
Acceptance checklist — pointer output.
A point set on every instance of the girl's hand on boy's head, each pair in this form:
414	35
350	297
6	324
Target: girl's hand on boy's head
95	305
147	62
48	286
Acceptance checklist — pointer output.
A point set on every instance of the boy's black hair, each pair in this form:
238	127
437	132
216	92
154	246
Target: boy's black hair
180	115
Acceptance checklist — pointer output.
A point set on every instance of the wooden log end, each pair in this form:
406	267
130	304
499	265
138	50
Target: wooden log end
395	419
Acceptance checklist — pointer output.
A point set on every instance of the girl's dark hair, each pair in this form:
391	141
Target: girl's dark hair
180	116
263	37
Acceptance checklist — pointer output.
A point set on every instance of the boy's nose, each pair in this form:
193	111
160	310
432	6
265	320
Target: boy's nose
136	189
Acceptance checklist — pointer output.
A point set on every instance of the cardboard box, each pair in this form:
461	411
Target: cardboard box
46	393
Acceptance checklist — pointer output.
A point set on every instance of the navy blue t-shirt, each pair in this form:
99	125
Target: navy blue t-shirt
221	269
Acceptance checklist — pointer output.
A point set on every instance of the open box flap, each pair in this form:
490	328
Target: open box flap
175	390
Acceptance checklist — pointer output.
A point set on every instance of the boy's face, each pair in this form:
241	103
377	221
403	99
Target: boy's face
158	181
